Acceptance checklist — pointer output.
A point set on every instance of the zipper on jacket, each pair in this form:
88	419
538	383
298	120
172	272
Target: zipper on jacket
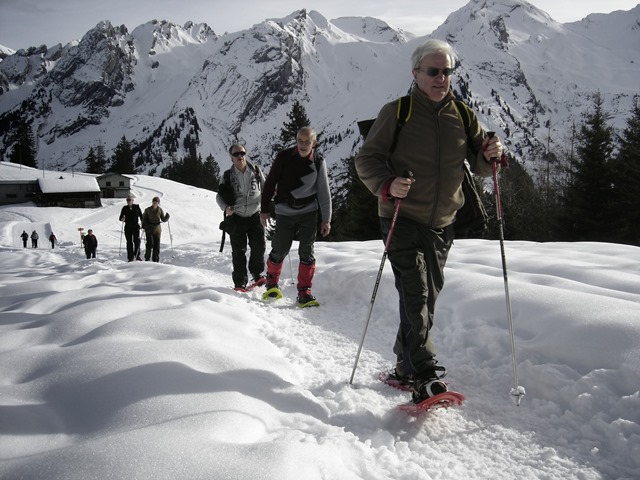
438	171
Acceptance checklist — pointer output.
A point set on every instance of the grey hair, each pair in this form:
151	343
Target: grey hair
236	145
307	131
433	46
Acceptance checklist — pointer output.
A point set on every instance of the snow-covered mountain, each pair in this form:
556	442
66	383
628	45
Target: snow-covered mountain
166	86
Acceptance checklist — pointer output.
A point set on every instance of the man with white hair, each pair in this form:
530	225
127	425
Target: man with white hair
433	145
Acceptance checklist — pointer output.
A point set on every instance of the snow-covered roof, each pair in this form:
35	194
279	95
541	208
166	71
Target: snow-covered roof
68	183
51	182
115	174
15	171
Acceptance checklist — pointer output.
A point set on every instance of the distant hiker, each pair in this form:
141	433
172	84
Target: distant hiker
90	244
52	239
299	176
239	197
151	219
25	237
130	214
34	239
433	146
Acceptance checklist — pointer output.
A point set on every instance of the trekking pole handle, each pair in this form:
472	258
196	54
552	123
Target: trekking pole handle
405	174
503	159
492	134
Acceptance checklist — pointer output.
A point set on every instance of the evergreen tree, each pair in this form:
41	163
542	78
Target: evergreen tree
94	163
122	160
297	119
355	208
24	151
101	158
190	170
626	181
211	173
587	214
521	201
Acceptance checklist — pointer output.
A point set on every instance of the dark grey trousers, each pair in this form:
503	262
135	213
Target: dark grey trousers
304	227
417	255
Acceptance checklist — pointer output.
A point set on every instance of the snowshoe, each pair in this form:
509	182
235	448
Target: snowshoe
305	299
272	293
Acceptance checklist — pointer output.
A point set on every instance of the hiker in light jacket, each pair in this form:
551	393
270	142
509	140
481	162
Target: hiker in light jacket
239	197
152	217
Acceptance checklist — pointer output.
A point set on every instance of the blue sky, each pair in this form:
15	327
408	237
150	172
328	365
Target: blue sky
25	23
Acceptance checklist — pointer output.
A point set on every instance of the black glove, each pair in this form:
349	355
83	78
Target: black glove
167	216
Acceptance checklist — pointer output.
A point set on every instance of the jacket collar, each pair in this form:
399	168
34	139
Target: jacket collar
295	152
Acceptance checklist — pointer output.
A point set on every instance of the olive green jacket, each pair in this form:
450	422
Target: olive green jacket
433	146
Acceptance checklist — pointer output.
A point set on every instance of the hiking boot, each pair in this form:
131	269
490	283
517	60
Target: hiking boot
429	384
260	280
395	379
138	258
399	378
305	297
428	389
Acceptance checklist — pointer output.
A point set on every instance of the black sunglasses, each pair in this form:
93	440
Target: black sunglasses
238	154
434	72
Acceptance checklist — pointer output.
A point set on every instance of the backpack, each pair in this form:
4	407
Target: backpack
472	217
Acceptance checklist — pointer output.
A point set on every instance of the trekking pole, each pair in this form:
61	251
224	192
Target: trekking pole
406	174
170	234
517	392
121	230
293	282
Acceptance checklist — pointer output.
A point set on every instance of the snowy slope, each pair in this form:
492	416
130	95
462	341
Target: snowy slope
161	371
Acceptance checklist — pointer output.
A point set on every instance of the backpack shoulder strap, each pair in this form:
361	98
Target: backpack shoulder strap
317	160
465	116
403	113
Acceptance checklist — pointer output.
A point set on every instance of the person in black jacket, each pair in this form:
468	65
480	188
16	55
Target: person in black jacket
90	244
130	215
299	182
